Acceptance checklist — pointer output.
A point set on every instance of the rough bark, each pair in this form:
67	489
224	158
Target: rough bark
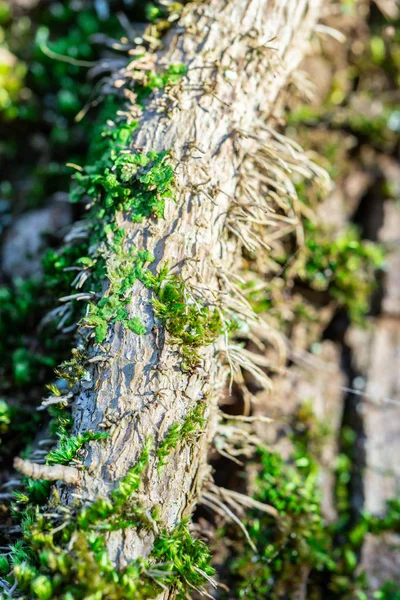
240	54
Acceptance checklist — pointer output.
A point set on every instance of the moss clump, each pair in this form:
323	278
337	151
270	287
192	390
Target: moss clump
300	538
297	539
344	266
12	70
69	446
178	561
71	370
390	591
123	268
69	559
20	310
12	79
181	432
5	416
339	266
190	324
121	180
36	491
188	560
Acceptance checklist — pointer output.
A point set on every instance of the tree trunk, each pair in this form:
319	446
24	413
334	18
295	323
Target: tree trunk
239	58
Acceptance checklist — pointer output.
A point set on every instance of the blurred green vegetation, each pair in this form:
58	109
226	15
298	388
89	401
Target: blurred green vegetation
45	55
300	540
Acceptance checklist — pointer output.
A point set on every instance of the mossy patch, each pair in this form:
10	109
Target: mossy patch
71	561
68	446
181	432
343	265
300	538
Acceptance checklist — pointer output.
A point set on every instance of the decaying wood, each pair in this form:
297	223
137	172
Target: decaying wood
240	55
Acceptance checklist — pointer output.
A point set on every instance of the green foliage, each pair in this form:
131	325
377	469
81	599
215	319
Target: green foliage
5	416
389	522
72	561
123	181
58	276
12	70
41	588
171	76
4	566
390	591
181	432
68	447
300	537
36	492
297	538
178	561
72	370
344	266
19	553
190	324
20	308
187	559
124	268
61	421
12	79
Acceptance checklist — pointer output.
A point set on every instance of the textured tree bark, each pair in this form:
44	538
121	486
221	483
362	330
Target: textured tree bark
240	55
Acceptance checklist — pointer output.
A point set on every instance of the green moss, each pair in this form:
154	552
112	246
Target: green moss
390	591
72	561
4	566
123	268
124	181
12	70
297	539
187	559
72	370
36	492
181	432
20	310
300	538
68	446
178	561
5	416
344	266
339	266
12	79
190	324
